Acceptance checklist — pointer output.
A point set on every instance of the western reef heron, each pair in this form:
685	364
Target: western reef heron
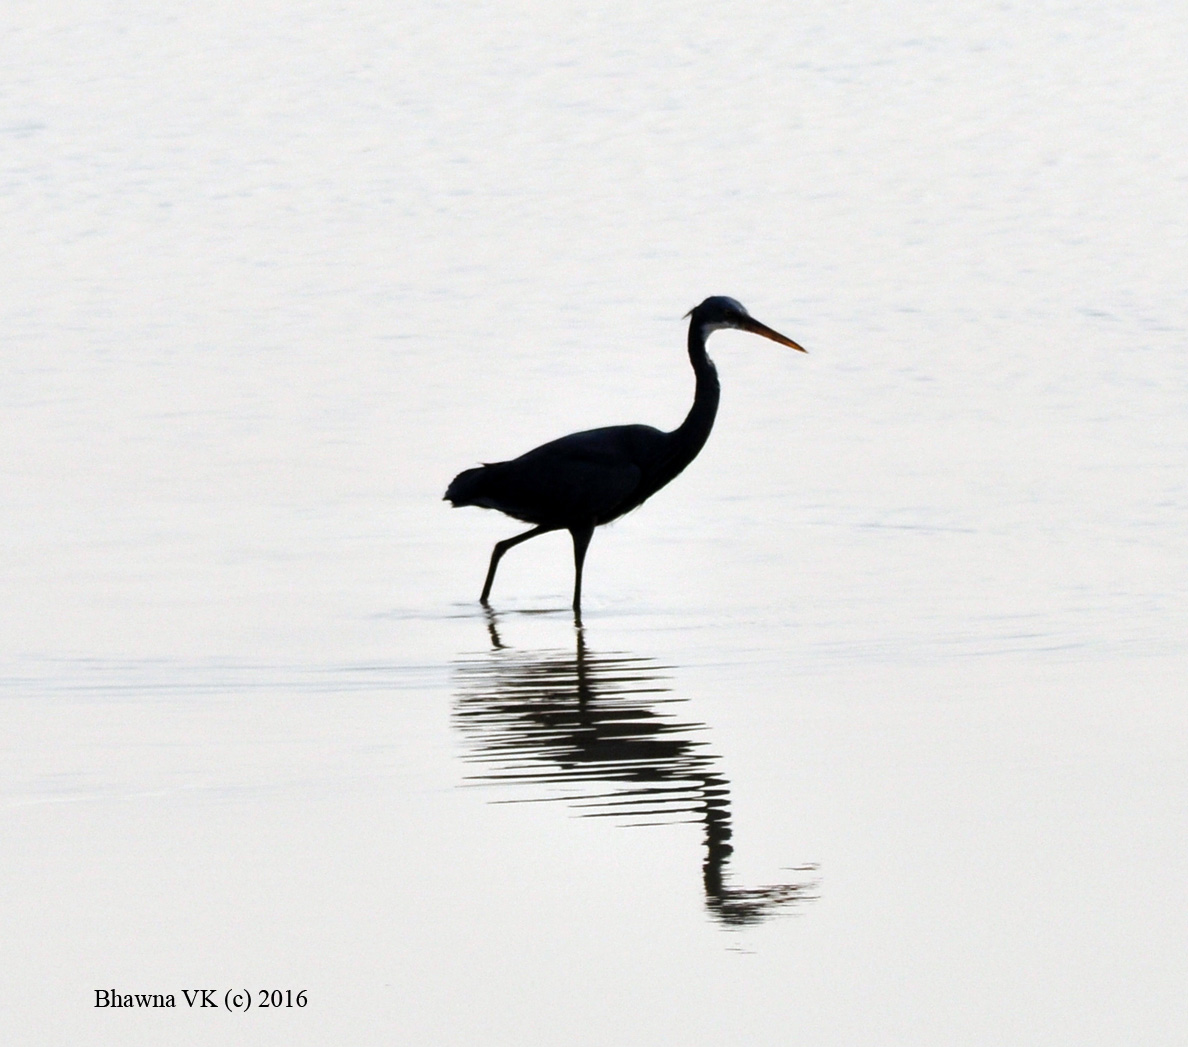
587	479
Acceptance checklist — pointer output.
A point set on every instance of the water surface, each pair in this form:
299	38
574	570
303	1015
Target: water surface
874	732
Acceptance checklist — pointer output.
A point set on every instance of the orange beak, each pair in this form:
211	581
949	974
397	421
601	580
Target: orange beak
755	327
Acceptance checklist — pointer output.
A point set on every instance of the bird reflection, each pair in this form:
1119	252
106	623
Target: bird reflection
598	732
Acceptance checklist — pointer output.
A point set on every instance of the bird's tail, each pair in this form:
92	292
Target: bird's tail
469	487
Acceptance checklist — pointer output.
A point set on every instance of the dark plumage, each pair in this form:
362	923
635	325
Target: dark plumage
587	479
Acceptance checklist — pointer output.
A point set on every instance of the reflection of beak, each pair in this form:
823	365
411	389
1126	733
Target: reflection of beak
755	327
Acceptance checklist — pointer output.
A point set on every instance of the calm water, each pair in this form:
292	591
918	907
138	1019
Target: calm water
875	731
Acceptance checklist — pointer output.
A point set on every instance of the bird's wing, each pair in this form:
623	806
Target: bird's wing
562	491
583	478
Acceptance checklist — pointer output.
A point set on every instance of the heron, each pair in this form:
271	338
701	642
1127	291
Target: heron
588	479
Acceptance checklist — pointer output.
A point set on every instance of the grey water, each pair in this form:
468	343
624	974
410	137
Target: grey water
874	732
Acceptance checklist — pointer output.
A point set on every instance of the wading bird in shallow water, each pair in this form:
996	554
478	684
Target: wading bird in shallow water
587	479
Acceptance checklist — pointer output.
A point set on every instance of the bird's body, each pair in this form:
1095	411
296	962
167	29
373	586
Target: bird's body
591	477
587	479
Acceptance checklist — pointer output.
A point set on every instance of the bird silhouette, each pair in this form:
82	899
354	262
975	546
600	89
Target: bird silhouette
587	479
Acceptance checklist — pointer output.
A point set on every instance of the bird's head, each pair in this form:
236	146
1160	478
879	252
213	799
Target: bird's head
719	311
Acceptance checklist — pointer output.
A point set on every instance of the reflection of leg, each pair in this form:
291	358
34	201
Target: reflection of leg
584	691
496	642
497	555
581	541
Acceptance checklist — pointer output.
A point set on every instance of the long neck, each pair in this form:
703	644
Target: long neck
689	438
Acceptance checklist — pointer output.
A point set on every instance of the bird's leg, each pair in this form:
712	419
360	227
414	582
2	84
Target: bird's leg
497	555
581	541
